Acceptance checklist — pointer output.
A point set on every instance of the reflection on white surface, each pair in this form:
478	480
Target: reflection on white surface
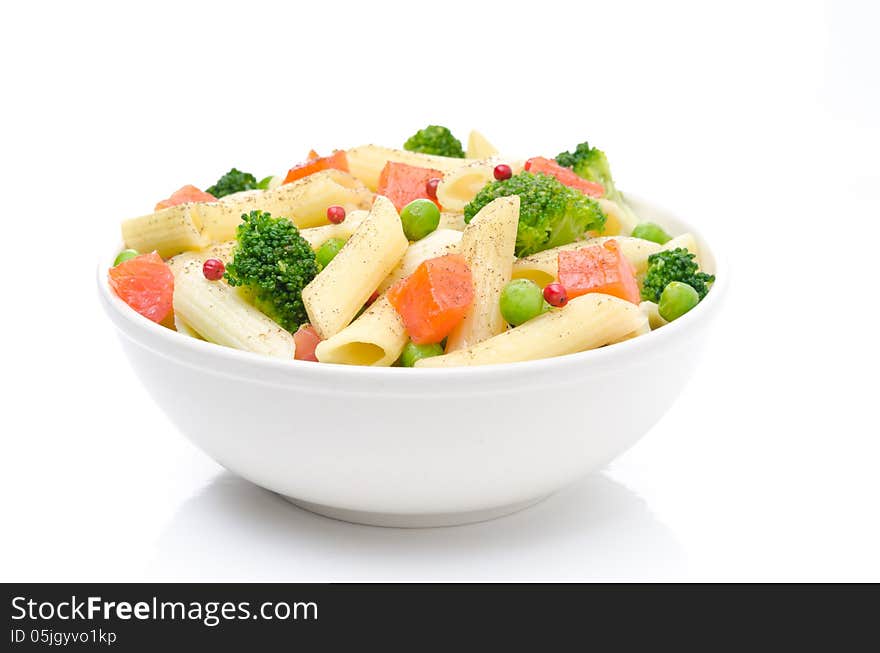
233	530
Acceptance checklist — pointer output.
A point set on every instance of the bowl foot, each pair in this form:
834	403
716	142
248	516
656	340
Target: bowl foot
413	520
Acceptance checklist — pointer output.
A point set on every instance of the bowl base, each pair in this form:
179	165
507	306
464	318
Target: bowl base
413	520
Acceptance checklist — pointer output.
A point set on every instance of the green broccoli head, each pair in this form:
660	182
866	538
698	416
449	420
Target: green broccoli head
674	265
435	139
272	263
590	163
550	213
233	181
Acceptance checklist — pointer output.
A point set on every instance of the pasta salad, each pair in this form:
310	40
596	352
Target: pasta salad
433	255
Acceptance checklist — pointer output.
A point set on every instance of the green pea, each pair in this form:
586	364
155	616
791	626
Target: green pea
652	232
677	299
413	352
328	250
124	255
419	217
521	300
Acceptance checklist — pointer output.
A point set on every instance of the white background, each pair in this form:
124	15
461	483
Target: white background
757	120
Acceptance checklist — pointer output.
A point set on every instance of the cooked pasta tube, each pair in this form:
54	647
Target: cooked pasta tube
223	251
437	243
375	338
217	312
543	267
478	146
169	231
689	242
460	186
586	322
193	226
652	312
339	291
487	245
643	327
304	202
182	327
452	221
317	236
366	162
619	221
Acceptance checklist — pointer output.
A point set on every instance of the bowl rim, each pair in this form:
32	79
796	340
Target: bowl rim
139	329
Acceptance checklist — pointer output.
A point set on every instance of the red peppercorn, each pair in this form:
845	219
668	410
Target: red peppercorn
336	214
431	187
555	295
502	171
213	269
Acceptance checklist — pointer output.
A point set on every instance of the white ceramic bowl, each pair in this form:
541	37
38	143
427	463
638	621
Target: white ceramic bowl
417	447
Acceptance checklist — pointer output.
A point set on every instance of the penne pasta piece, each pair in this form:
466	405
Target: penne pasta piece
182	327
459	187
375	338
689	242
619	221
543	267
487	245
650	309
220	315
317	236
339	291
478	147
437	243
169	231
366	162
451	221
194	226
222	251
643	327
586	322
304	202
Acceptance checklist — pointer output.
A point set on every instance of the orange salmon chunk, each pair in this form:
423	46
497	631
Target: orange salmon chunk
598	268
434	298
402	183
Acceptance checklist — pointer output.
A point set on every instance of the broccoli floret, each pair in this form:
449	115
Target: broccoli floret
590	163
233	181
550	213
263	184
273	263
674	265
435	139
